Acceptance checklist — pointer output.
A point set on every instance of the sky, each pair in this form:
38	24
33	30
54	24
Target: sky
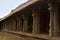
7	5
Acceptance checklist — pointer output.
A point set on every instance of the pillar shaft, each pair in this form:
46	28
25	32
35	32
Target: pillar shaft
54	20
19	23
25	24
9	24
13	24
36	22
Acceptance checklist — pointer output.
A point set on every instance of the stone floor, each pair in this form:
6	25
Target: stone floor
7	36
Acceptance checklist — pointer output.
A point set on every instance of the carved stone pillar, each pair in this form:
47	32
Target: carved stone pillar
54	19
19	23
25	24
2	24
36	22
13	24
9	24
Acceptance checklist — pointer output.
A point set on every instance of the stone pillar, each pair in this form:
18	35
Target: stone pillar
2	26
25	24
9	24
54	20
14	25
5	26
36	22
19	23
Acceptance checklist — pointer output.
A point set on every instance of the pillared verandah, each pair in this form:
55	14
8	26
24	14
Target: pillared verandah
35	18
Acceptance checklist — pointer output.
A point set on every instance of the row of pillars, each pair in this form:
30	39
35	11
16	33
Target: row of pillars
54	22
36	23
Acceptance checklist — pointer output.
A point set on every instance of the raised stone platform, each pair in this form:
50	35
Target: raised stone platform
29	36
